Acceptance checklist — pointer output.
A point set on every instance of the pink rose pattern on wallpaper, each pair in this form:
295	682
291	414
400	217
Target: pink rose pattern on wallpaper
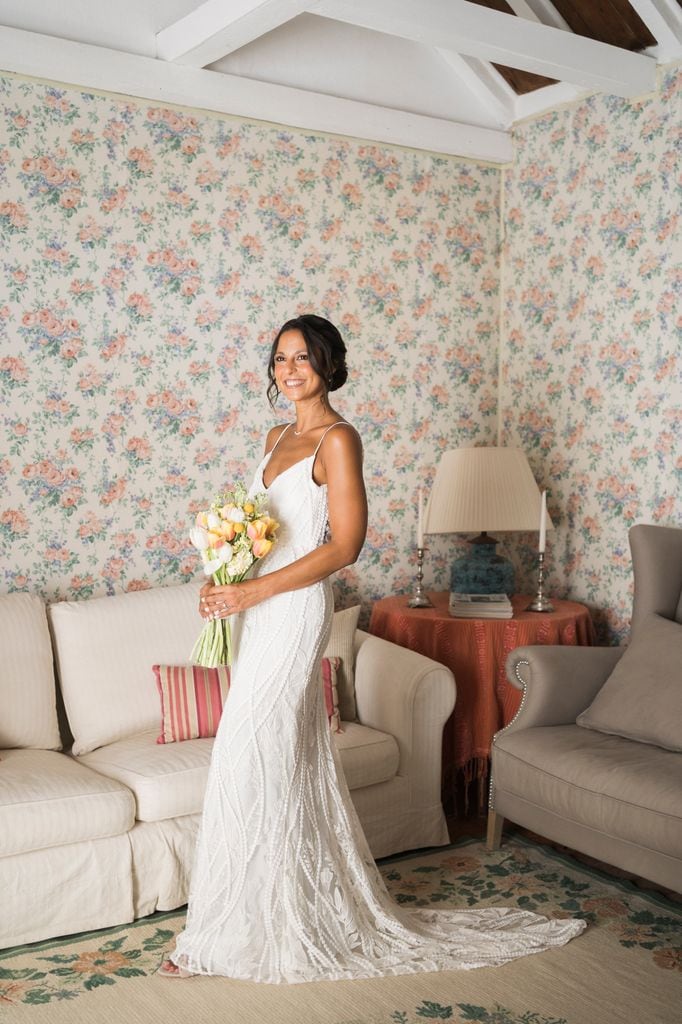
148	257
149	254
592	364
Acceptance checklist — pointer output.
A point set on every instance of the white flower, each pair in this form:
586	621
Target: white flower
241	562
232	512
199	538
213	521
223	554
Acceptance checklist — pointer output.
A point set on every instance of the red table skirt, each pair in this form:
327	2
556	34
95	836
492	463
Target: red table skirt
475	650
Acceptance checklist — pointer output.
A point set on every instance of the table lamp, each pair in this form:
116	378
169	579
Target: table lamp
480	490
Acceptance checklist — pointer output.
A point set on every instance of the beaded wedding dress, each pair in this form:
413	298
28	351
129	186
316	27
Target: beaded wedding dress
284	887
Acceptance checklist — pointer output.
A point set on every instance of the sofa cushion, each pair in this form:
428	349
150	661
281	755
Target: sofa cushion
630	791
105	648
167	779
48	799
642	698
27	687
341	644
367	755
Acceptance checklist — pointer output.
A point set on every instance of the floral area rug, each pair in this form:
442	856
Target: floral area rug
626	967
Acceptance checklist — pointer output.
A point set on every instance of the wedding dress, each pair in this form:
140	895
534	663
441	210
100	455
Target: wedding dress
284	887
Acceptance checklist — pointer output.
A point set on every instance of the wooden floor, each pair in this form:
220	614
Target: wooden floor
475	826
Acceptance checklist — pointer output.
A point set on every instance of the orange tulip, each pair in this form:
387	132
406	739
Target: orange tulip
261	547
257	530
271	526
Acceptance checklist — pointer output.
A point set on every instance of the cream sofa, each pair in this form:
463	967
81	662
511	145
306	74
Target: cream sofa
105	833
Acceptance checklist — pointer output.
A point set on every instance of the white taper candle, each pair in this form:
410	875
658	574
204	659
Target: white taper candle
420	520
543	522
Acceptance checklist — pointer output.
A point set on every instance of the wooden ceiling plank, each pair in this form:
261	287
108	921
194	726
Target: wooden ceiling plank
217	28
111	71
663	18
476	31
610	21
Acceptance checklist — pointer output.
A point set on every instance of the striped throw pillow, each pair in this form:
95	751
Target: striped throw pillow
330	668
192	700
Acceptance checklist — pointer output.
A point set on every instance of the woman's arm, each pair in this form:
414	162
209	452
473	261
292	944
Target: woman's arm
339	465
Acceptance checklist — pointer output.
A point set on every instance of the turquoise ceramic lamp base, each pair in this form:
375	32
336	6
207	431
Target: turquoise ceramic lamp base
482	570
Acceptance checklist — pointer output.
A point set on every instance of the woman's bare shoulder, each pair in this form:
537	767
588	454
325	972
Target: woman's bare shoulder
344	440
273	435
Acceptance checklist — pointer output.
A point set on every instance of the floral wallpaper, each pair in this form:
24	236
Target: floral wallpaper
592	328
148	257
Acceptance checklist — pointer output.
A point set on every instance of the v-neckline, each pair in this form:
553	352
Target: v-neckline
274	480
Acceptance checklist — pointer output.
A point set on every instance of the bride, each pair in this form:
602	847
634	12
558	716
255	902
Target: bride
284	887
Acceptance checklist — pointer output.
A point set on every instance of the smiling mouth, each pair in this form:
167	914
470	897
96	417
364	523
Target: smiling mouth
293	383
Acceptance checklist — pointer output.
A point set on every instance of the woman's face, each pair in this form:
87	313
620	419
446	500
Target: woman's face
294	374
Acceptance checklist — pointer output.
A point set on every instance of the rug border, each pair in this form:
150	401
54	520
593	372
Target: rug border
564	858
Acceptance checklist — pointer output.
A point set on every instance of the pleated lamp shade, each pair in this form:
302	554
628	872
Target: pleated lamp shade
483	489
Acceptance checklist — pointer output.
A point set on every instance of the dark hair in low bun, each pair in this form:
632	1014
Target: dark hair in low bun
326	352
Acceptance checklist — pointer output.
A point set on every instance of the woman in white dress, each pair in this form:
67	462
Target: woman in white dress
284	887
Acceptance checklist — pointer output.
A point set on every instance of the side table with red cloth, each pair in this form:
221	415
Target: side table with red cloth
475	650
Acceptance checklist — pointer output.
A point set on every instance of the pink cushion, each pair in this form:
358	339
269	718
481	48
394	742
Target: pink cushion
330	668
192	700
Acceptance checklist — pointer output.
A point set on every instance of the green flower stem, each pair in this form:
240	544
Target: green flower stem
214	645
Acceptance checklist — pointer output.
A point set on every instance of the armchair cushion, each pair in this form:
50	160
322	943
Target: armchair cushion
642	698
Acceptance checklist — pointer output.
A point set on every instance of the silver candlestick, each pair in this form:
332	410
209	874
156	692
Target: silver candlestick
420	600
540	603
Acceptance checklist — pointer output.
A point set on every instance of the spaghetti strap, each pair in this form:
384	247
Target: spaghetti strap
281	435
339	423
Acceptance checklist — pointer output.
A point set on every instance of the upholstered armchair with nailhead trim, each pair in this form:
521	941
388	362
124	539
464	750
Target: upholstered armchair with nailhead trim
593	758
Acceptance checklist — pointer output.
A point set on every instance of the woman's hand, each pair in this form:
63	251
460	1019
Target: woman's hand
217	602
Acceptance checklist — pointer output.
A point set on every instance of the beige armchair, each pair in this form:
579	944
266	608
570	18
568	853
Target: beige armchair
610	785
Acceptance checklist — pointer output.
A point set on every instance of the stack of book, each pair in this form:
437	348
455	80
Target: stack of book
480	606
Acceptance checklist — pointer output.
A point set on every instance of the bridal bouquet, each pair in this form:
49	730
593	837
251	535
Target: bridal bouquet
231	536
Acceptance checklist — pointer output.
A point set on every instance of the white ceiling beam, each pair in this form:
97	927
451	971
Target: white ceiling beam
547	13
486	83
663	18
523	9
219	27
103	70
547	98
503	38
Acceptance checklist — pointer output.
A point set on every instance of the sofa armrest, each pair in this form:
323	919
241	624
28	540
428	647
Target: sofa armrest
408	696
557	682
